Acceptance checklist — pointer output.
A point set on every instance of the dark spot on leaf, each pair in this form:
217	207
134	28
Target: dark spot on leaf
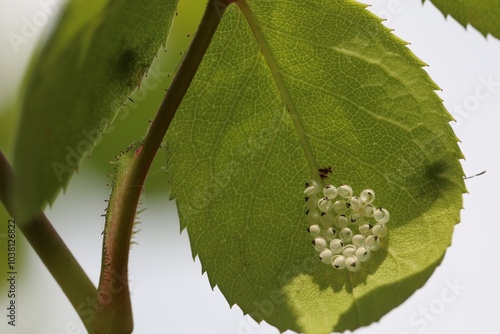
438	175
324	172
125	64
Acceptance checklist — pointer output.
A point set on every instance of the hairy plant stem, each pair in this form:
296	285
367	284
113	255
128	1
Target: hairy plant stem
114	315
52	251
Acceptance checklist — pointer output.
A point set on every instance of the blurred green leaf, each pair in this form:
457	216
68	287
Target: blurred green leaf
132	119
481	14
94	59
287	89
8	123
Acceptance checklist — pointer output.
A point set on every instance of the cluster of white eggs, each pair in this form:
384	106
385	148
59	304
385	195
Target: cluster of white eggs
346	229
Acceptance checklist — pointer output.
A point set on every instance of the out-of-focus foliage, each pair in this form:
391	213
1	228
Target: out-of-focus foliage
95	57
484	15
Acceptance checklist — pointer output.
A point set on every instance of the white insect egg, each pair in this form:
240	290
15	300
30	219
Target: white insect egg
329	234
349	250
324	204
339	206
363	254
342	221
372	242
312	216
312	202
345	191
378	244
381	215
327	219
355	202
379	230
338	261
346	234
319	243
367	210
367	196
358	240
355	215
334	224
326	255
352	263
314	230
336	246
312	188
365	229
330	191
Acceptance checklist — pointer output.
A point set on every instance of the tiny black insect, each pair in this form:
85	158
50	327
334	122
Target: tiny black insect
324	172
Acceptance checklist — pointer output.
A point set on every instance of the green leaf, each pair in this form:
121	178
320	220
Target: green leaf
84	73
287	88
8	123
481	14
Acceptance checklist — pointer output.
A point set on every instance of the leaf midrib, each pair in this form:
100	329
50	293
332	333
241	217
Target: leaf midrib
278	79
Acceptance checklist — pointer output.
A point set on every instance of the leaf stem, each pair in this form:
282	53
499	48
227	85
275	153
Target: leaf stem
53	252
116	317
181	82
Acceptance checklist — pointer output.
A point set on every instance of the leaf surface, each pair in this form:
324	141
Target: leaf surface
288	88
481	14
86	70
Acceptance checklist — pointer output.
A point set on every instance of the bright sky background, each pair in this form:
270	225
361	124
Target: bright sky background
169	293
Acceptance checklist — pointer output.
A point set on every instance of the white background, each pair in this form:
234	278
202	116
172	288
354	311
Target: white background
169	293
